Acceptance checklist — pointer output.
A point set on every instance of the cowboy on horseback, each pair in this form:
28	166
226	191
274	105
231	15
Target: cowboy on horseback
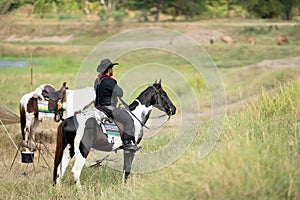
107	93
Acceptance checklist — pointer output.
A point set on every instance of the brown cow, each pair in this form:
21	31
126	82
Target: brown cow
250	40
227	39
281	38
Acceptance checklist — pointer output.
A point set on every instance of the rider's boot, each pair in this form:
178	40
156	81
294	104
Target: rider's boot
128	145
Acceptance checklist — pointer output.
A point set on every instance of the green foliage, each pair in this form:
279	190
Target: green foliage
218	8
66	9
271	8
287	8
7	6
119	15
265	8
42	7
116	15
190	9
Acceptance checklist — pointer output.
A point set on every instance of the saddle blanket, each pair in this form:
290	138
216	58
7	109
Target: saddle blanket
45	113
113	134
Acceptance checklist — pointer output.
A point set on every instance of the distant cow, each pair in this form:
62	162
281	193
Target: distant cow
250	40
281	38
227	39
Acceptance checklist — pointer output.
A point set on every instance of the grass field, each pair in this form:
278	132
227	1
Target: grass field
257	155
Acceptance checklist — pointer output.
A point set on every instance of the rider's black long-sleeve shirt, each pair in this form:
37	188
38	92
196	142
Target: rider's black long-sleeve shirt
107	91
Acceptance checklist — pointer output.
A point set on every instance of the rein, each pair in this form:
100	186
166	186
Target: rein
142	123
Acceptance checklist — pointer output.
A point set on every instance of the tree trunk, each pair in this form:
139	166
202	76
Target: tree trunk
158	7
102	2
144	15
109	5
288	12
86	7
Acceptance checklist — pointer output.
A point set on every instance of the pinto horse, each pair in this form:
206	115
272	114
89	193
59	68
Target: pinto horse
78	134
29	108
29	105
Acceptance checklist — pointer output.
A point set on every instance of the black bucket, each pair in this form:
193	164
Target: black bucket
27	157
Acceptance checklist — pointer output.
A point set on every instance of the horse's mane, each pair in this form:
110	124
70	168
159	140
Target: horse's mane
141	97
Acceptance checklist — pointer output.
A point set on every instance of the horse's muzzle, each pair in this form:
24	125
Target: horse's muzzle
171	111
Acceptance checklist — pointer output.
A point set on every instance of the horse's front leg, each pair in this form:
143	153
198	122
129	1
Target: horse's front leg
128	158
35	124
28	128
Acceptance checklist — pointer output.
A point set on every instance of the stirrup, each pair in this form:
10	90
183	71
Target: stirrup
131	147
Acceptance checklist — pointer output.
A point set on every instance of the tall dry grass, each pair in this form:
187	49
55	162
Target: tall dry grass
257	157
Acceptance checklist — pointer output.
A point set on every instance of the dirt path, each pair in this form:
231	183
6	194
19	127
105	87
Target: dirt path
261	24
291	63
276	64
26	38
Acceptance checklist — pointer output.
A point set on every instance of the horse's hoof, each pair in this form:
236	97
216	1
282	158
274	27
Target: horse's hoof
25	144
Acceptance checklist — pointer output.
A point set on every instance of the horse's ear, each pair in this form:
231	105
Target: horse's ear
65	83
159	82
155	82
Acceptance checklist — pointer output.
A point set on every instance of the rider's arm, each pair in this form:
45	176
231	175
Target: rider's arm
118	91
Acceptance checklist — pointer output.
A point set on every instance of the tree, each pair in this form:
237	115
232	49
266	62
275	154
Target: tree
287	8
10	5
158	9
143	5
271	8
263	8
188	8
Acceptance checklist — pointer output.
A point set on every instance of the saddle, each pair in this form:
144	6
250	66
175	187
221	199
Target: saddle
47	90
55	96
110	126
114	128
52	98
52	95
106	111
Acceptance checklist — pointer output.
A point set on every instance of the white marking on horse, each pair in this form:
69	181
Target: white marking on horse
64	163
32	122
140	111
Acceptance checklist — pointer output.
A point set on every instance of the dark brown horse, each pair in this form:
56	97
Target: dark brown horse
29	113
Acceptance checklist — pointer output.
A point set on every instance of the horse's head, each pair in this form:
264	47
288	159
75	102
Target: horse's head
160	99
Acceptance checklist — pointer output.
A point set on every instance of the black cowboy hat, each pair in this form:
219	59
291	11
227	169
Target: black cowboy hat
104	65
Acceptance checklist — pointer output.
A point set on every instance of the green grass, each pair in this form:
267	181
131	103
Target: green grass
238	55
256	157
15	81
242	53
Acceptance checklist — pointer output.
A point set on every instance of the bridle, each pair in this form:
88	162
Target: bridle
142	123
164	98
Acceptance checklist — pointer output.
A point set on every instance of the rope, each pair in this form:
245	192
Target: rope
8	134
143	124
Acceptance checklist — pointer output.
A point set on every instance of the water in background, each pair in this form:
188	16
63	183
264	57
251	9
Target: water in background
13	63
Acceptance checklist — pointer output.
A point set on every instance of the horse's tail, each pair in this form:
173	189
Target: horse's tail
59	149
22	120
